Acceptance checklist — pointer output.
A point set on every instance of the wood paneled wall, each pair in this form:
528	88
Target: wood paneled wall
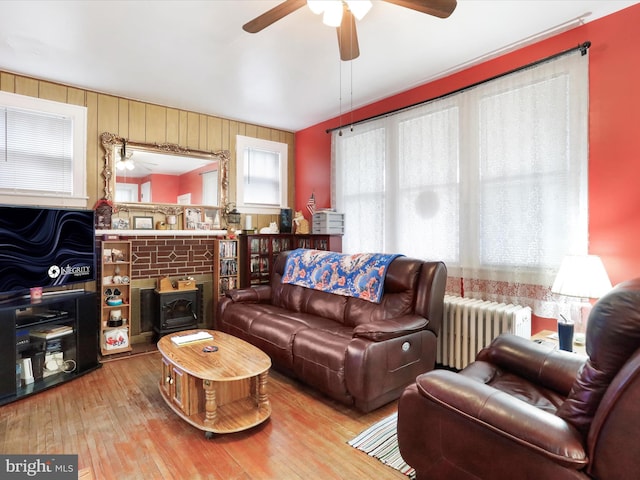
145	122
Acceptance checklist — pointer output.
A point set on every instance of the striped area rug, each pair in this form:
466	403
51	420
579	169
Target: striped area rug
381	441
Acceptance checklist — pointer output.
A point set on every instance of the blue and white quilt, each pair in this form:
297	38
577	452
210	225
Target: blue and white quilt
358	275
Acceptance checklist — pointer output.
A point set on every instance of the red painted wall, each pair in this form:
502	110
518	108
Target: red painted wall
614	132
191	182
163	188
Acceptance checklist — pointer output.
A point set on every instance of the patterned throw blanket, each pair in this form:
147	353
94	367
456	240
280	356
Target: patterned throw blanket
359	275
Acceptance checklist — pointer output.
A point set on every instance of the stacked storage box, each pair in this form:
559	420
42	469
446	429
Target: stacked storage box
328	223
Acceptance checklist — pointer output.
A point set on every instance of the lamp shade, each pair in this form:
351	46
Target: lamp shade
582	276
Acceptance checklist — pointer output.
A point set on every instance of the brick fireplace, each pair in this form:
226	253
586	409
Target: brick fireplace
156	254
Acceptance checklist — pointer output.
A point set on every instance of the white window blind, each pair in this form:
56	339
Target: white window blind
261	177
210	188
491	180
37	152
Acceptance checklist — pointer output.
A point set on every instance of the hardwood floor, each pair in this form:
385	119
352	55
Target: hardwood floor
116	421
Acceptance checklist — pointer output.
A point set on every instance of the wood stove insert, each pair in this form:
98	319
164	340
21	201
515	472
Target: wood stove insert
176	311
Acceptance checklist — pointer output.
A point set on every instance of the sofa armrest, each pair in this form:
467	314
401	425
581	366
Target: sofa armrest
393	328
257	294
540	431
542	364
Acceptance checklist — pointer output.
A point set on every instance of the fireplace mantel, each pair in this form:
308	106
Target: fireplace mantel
163	233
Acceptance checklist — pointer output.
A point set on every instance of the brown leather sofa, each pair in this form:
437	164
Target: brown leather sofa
526	411
355	351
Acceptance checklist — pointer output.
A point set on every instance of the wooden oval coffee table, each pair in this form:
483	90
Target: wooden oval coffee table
220	391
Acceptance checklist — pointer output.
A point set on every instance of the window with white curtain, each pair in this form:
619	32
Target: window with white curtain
261	174
42	152
491	180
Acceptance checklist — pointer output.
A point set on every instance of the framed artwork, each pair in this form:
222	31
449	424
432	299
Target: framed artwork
212	218
192	217
120	223
143	223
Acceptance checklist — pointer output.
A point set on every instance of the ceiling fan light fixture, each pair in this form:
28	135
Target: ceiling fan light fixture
332	16
316	6
125	165
359	8
342	14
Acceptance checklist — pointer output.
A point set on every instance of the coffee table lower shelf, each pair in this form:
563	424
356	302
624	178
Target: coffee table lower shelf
233	417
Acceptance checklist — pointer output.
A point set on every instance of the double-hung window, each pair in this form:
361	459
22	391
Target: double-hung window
42	152
261	175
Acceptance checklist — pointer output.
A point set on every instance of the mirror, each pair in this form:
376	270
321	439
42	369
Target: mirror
160	177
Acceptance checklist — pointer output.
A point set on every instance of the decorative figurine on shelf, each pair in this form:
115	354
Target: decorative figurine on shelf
272	228
301	223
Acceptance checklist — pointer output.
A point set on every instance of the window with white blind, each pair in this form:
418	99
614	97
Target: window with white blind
42	152
491	180
261	175
210	188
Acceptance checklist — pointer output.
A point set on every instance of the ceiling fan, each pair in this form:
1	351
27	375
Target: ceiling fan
342	14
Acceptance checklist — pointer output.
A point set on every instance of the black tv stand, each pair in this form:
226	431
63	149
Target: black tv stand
67	353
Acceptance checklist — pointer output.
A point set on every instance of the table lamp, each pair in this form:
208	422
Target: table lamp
581	277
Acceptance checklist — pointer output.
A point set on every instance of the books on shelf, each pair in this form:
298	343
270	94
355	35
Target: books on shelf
50	331
228	267
227	283
228	248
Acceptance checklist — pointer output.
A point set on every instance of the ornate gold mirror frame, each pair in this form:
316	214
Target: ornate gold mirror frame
113	143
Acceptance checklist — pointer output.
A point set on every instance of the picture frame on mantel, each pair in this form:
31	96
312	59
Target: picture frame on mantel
143	223
120	223
192	218
211	217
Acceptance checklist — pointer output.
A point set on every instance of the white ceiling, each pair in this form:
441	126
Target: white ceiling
195	56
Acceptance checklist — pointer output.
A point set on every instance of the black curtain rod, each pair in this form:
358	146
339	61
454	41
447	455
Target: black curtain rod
583	47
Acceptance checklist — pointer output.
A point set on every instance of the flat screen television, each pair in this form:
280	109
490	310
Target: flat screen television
45	247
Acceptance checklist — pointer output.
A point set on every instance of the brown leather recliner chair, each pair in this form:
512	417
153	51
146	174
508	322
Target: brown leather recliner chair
526	411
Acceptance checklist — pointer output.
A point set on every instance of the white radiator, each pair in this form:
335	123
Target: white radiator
469	325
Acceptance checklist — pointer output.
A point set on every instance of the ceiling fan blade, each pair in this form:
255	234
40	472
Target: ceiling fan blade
348	37
437	8
273	15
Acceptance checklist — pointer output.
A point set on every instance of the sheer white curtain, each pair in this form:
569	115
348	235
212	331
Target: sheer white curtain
491	180
363	196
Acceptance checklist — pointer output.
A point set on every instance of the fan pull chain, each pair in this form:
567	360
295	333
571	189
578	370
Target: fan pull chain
351	97
340	95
